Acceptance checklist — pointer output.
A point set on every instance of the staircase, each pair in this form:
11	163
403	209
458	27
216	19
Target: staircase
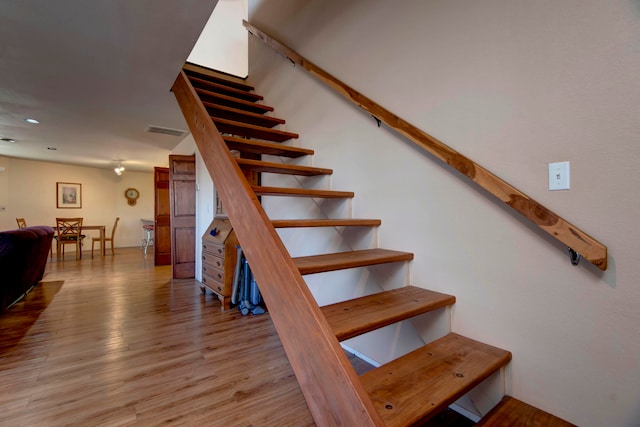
407	391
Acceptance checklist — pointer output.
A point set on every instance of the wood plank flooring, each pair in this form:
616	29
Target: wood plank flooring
114	341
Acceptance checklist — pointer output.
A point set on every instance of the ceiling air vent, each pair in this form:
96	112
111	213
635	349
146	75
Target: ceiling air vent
165	131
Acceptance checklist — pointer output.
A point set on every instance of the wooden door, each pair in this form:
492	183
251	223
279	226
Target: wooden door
182	190
162	217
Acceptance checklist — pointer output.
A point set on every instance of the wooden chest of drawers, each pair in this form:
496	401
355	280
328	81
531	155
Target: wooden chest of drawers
219	254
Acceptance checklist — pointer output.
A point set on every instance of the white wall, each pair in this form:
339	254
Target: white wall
28	189
514	86
223	43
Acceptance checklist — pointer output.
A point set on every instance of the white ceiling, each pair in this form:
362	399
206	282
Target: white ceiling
95	74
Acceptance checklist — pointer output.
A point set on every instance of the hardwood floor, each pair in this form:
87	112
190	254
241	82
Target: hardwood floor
114	341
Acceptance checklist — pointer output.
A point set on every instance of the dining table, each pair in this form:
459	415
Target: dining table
101	229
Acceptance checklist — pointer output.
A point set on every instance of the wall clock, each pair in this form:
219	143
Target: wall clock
132	195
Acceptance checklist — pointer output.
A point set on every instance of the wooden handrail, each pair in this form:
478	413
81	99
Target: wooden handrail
330	385
567	233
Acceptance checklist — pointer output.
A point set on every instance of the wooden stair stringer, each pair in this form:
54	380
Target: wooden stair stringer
329	383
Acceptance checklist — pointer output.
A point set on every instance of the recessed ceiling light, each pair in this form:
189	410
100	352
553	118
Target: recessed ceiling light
32	121
7	140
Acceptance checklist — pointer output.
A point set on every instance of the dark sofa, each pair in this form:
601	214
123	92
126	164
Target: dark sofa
23	258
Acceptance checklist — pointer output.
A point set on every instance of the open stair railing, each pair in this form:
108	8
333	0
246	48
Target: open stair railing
579	243
332	389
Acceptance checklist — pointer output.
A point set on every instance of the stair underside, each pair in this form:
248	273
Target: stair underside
300	192
513	412
252	131
229	101
216	76
361	315
343	222
236	114
281	168
353	259
415	387
224	89
261	147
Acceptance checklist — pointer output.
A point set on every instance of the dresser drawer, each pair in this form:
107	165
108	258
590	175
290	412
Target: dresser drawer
214	273
217	285
213	249
213	260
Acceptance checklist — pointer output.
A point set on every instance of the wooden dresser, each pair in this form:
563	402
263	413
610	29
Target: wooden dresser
219	255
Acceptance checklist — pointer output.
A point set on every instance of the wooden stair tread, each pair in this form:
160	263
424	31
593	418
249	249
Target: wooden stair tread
281	168
342	222
513	412
216	76
262	147
352	259
224	112
229	101
224	89
252	131
361	315
415	387
300	192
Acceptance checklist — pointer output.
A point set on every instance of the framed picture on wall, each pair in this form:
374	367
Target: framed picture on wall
68	195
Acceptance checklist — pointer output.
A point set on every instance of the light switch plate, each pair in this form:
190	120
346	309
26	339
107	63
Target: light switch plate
559	176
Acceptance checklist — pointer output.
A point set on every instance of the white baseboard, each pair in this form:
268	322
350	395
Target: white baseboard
468	414
360	355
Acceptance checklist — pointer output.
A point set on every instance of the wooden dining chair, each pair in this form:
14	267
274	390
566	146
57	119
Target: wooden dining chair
21	223
69	231
106	239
